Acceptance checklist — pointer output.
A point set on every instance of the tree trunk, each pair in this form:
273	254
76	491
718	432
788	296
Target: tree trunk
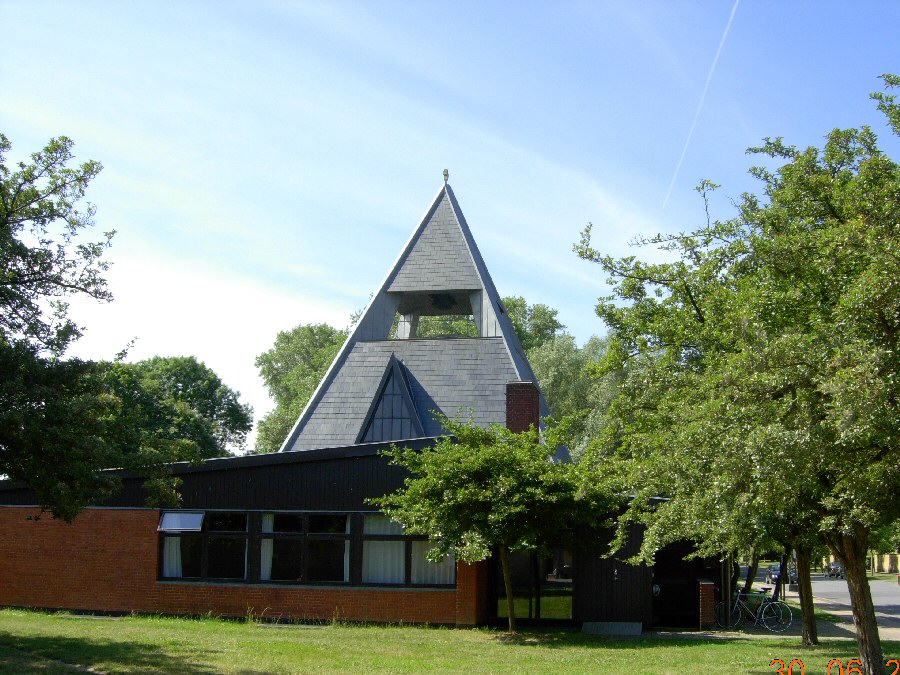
778	592
851	551
807	606
752	567
507	584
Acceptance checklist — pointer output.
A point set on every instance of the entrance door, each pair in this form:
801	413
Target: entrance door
609	589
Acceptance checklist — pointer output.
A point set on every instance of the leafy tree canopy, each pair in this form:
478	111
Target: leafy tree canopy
480	488
574	390
44	259
53	420
64	421
180	401
534	324
767	392
52	412
886	538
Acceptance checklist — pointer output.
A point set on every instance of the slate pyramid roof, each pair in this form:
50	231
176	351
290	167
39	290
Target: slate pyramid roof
385	383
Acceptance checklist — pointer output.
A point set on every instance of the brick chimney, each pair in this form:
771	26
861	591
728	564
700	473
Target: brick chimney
523	408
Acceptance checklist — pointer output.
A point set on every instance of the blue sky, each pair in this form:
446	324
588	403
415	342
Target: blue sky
265	162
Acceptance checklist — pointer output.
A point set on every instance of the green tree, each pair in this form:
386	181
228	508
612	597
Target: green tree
178	402
886	538
63	422
44	261
292	369
53	422
534	324
483	488
456	325
574	390
52	411
768	397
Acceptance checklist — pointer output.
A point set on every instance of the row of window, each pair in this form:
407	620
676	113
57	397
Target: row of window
298	548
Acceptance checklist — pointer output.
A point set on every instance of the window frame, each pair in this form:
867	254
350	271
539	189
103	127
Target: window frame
354	539
304	537
204	536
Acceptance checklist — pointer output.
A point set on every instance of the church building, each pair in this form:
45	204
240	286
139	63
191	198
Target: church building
291	535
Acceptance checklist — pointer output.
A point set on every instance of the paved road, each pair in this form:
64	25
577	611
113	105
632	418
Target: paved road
833	595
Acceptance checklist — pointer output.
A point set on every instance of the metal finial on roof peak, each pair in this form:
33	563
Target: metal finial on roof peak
446	175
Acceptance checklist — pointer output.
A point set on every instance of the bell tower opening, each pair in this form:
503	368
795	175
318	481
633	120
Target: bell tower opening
443	314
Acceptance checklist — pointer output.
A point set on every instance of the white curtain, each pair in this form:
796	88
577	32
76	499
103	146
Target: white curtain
426	572
347	552
265	548
172	556
383	561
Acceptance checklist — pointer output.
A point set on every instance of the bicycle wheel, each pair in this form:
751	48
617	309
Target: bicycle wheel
736	615
776	616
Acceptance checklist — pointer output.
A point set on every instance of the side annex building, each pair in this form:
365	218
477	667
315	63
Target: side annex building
291	536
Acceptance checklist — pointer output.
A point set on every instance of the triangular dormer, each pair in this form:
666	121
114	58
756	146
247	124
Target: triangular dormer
393	416
439	273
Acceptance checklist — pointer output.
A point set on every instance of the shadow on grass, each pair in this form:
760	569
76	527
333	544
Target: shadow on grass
48	654
569	638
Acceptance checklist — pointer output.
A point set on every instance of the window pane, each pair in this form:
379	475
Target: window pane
426	572
384	562
381	525
328	524
329	560
288	522
227	558
226	522
181	557
191	548
180	521
286	559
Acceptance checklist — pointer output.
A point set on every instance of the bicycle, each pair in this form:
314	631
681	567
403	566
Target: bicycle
773	614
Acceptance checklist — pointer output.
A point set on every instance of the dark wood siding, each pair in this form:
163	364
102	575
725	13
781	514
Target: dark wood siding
332	479
608	588
338	484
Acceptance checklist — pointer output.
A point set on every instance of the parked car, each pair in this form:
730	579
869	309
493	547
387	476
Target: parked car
793	577
773	574
834	570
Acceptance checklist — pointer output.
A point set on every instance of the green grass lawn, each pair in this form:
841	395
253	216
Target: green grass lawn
884	576
34	642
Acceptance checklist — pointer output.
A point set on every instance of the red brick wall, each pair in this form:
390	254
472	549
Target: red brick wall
107	561
707	603
522	406
471	593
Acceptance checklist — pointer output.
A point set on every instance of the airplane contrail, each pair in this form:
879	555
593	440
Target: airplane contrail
700	105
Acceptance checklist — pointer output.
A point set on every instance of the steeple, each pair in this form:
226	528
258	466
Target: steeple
439	273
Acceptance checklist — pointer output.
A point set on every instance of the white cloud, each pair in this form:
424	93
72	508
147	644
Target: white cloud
178	308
